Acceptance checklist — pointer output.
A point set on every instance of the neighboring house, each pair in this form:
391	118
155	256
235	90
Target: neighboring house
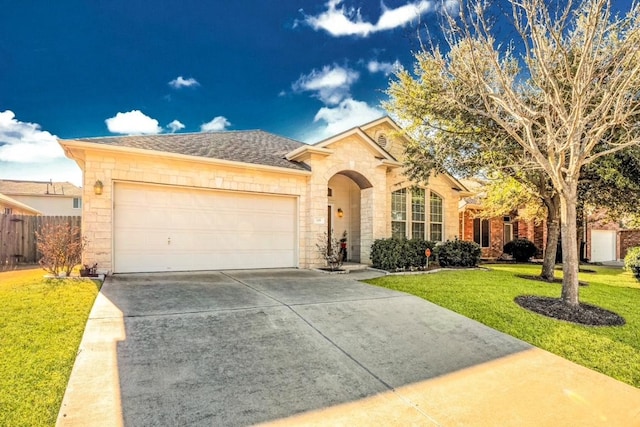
251	199
9	206
493	233
47	197
608	240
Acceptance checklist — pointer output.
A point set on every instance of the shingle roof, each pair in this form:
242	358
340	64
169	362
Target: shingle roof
253	146
13	187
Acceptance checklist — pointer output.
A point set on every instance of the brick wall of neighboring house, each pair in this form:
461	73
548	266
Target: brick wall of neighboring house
521	229
628	239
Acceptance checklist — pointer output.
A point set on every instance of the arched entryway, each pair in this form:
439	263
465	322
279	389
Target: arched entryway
345	209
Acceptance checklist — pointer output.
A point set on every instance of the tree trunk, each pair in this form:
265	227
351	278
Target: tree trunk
553	232
570	261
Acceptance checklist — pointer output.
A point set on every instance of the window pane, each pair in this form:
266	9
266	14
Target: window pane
436	232
399	205
417	230
476	230
485	233
398	229
436	208
417	205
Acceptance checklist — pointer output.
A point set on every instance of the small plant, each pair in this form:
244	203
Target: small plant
632	261
330	249
458	253
61	246
87	271
520	249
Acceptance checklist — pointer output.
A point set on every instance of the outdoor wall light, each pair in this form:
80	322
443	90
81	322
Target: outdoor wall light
97	188
340	213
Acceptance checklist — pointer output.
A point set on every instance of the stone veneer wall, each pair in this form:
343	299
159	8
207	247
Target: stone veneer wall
110	168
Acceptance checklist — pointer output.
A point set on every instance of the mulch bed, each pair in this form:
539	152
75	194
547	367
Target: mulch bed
583	314
540	279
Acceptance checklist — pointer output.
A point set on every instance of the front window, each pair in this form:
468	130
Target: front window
399	213
417	214
436	217
409	215
481	232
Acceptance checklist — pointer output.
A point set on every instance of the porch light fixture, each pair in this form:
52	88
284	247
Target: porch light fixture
97	188
340	213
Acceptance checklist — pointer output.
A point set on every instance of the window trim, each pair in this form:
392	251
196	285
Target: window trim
79	204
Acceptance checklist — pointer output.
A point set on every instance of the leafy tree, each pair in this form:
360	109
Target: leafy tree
567	96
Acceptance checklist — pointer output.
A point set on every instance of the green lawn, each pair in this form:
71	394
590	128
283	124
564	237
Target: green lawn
487	296
41	324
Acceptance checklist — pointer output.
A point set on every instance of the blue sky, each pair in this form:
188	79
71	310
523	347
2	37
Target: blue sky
298	68
301	69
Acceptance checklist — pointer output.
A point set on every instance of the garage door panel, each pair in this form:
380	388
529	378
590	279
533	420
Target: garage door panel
161	228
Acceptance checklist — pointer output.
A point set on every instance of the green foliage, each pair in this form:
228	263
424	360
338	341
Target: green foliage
632	260
41	324
458	253
488	297
521	249
398	254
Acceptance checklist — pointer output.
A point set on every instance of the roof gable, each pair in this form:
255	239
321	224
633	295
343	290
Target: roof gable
253	147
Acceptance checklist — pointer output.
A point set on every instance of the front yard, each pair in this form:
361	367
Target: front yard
488	297
41	324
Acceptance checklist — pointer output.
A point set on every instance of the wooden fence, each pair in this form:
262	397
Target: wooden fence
18	237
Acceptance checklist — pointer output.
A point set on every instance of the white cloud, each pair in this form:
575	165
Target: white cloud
180	82
219	123
133	123
348	114
175	126
383	67
331	84
25	142
341	21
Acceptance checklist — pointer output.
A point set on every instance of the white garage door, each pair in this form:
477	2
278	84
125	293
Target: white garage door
603	245
160	228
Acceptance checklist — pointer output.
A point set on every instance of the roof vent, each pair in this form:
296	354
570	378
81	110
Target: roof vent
382	140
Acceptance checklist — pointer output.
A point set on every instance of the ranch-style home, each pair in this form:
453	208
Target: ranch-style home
251	199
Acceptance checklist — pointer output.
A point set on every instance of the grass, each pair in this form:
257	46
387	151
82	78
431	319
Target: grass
488	297
41	324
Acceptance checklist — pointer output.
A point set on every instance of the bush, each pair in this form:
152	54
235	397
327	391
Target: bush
520	249
395	254
458	253
61	246
632	261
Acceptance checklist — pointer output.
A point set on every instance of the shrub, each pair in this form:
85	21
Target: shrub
329	247
632	261
61	246
458	253
395	254
520	249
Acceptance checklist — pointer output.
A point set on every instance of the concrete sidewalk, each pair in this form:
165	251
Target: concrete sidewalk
294	347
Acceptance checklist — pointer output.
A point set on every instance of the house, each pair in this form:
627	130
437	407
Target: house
46	197
493	233
251	199
9	206
608	240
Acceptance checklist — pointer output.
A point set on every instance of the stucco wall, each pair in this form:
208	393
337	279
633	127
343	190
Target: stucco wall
50	205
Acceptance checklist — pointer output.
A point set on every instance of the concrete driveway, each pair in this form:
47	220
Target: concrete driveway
297	347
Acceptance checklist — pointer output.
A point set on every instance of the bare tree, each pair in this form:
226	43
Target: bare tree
565	92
